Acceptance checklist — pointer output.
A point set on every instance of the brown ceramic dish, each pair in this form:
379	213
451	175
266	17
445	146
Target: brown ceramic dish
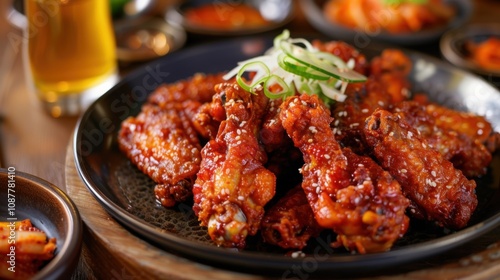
50	210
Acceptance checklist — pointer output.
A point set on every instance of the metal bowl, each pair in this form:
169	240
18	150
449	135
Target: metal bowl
277	12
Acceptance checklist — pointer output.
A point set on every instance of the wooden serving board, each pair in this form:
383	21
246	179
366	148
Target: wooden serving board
112	252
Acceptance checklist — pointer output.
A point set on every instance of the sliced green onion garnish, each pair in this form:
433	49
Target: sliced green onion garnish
261	73
294	64
270	89
328	67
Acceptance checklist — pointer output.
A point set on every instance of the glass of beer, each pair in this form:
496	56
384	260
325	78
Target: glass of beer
70	52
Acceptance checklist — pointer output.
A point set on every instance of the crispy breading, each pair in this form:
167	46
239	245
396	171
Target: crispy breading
233	186
350	194
438	192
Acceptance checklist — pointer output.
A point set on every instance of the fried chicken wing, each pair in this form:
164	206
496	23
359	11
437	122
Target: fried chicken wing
233	186
199	87
472	125
437	190
209	116
163	144
346	52
465	151
290	222
347	193
386	85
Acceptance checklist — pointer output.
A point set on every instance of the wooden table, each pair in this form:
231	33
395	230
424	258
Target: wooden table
36	143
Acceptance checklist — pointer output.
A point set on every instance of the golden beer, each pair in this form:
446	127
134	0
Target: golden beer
71	47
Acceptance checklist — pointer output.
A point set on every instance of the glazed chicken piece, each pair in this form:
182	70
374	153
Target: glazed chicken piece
465	151
199	87
163	144
346	52
387	84
437	191
348	193
209	116
474	126
233	186
290	222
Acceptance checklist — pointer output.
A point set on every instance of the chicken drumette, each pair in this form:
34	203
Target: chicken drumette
233	185
348	193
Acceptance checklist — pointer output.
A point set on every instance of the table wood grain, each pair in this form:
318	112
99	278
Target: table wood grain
36	143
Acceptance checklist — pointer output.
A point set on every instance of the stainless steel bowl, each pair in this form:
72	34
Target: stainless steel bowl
277	12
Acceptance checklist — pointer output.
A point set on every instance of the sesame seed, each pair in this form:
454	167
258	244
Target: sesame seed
297	254
480	125
353	125
326	156
448	186
433	173
310	140
381	103
480	132
304	103
238	143
241	198
336	123
403	170
313	129
364	111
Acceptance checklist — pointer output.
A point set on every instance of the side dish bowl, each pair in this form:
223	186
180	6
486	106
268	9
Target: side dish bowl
453	46
49	210
314	12
276	12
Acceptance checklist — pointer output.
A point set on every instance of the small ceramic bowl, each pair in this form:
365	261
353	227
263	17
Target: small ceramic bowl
50	210
453	46
276	12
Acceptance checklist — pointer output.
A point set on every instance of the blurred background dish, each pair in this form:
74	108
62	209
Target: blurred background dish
49	210
120	9
147	38
230	18
388	25
474	47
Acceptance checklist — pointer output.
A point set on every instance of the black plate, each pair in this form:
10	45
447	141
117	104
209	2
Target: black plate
127	194
313	10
